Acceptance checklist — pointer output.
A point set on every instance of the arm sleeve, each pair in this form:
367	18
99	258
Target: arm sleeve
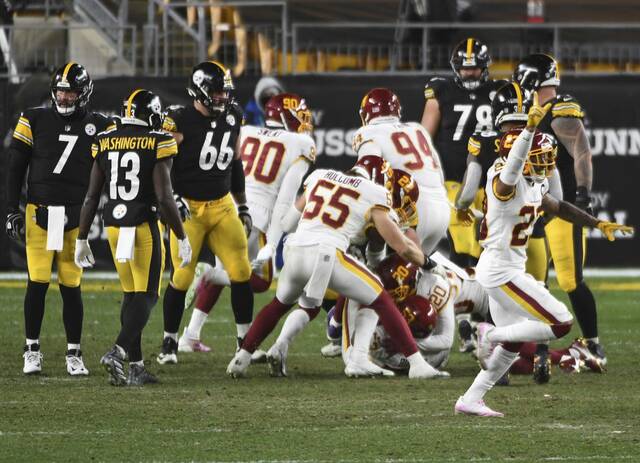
555	185
285	199
442	337
470	186
516	158
237	176
18	163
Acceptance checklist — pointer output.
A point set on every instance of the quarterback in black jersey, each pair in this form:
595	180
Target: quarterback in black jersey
567	242
54	144
134	161
455	108
208	177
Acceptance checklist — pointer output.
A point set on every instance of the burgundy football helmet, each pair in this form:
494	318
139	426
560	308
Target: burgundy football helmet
377	103
398	277
404	194
421	316
290	111
542	156
374	168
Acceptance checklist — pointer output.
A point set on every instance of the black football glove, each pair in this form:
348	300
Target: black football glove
583	200
245	218
183	207
15	226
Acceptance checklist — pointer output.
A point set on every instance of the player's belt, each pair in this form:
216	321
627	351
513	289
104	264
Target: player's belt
200	206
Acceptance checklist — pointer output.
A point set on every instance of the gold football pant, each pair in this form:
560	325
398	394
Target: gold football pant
217	224
463	237
144	272
537	255
567	245
40	261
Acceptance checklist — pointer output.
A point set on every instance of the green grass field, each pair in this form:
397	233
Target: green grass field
317	414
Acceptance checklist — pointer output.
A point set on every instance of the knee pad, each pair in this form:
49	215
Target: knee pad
240	271
182	278
259	285
562	329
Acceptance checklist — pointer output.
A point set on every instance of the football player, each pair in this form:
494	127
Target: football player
208	177
522	309
406	146
334	208
276	158
54	144
567	241
455	108
134	160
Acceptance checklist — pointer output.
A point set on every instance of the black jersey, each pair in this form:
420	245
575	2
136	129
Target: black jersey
462	112
485	147
563	106
59	151
127	155
202	169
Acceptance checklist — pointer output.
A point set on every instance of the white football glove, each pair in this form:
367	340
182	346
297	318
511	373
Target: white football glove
83	256
265	254
184	252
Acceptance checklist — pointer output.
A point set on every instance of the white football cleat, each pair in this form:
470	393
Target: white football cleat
75	365
331	350
189	344
239	364
32	360
425	371
485	347
277	360
258	356
477	408
365	368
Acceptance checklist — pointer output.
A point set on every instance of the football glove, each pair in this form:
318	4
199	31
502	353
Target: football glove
15	226
609	229
536	112
184	251
583	200
265	254
245	218
183	207
465	216
83	256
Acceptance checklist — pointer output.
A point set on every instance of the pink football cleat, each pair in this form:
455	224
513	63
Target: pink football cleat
477	408
187	344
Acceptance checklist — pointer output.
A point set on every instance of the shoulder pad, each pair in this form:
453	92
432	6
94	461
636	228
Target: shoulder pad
566	106
431	89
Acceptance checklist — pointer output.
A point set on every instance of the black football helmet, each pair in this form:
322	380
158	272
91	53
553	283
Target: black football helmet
143	106
207	79
71	77
537	70
470	53
510	104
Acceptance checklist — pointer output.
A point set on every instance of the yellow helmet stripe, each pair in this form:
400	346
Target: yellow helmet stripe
130	101
469	47
518	95
67	68
220	65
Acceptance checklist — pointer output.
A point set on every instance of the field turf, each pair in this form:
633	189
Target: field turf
317	414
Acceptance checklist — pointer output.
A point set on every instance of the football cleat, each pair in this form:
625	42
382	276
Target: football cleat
476	408
113	362
277	360
189	344
331	350
598	351
169	352
465	331
239	364
75	365
364	368
504	380
485	347
570	364
139	376
258	356
32	359
580	348
426	371
542	365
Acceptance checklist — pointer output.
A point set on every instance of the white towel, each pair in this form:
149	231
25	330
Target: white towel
126	242
322	270
55	228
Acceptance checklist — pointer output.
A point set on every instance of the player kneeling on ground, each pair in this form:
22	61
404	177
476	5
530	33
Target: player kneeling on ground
522	309
134	160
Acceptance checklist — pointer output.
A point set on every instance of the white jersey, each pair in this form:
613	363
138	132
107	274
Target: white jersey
267	154
406	146
338	208
506	227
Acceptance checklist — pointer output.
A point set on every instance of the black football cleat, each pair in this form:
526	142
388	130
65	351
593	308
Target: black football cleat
465	331
113	362
169	352
598	351
139	376
542	365
504	380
